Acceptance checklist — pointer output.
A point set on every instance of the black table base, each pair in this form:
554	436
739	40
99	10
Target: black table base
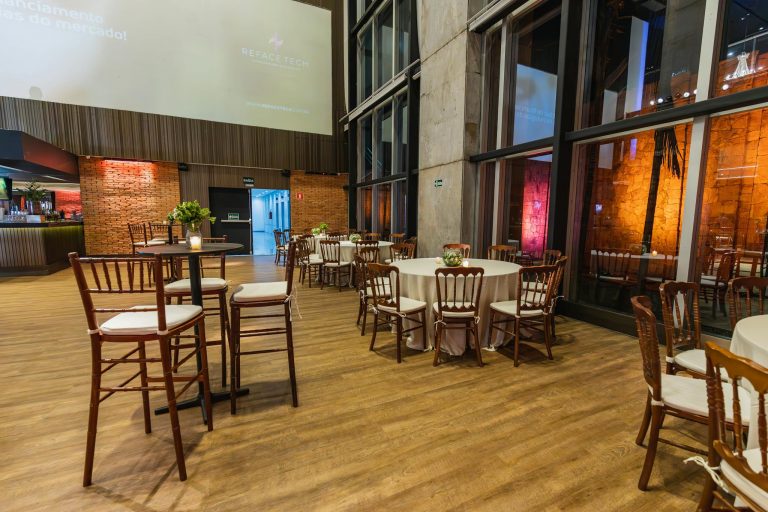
199	400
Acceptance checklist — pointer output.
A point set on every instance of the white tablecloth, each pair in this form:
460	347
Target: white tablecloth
750	340
417	281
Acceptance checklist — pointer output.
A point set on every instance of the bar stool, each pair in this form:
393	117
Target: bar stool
138	234
155	323
261	295
214	288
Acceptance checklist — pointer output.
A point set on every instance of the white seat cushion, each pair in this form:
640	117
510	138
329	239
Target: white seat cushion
253	292
150	243
455	314
314	259
696	360
690	395
141	323
509	307
406	306
750	490
340	264
206	283
710	281
388	261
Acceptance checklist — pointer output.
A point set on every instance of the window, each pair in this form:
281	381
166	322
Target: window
365	64
362	6
744	50
365	208
401	135
384	208
632	208
403	34
365	154
399	204
491	70
384	141
384	44
645	58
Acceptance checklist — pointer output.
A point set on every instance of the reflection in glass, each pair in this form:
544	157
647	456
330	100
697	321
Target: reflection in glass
384	208
384	141
366	150
403	35
492	70
365	208
744	51
527	204
645	59
399	206
365	64
630	221
401	134
384	42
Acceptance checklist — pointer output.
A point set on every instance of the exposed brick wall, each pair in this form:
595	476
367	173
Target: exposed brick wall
117	192
324	200
69	201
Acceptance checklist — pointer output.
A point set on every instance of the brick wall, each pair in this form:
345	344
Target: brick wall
324	200
117	192
69	201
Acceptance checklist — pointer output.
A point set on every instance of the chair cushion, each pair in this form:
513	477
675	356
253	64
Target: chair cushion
254	292
314	259
388	261
509	307
341	264
690	395
710	281
207	284
696	360
406	306
741	483
140	322
149	243
455	314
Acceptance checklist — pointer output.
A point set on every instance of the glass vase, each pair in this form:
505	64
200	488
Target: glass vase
194	237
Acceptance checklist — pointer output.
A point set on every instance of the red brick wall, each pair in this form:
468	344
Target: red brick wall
324	200
69	201
117	192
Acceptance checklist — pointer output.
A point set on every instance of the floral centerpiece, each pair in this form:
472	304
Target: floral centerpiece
192	215
452	258
315	231
323	227
34	194
355	237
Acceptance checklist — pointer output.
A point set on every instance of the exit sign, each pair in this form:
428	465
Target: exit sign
248	182
438	183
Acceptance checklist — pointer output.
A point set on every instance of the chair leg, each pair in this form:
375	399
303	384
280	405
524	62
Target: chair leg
170	393
145	394
291	364
424	326
365	316
399	322
93	413
375	328
657	418
438	339
234	359
547	340
645	422
477	344
203	348
517	341
490	330
224	328
707	495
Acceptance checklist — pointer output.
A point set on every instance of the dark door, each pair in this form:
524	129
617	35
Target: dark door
232	209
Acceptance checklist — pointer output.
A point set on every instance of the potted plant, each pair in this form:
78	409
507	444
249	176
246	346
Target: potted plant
34	194
323	227
191	215
452	258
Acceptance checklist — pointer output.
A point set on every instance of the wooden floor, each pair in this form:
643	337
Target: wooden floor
369	434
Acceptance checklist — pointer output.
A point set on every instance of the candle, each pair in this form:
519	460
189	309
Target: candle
465	263
438	260
655	253
195	243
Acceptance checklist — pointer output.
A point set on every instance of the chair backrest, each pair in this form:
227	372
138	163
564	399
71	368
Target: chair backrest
290	263
649	344
708	260
458	289
384	282
726	267
612	262
535	286
506	253
551	256
372	236
303	249
730	448
334	236
138	233
401	251
360	244
561	263
363	257
746	297
330	250
118	275
463	248
680	311
279	238
397	238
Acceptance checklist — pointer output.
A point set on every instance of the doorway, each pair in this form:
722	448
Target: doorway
271	209
232	209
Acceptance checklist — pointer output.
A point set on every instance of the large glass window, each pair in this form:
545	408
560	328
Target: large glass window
362	6
645	57
401	135
526	205
384	141
365	208
365	63
403	34
399	204
630	221
365	154
744	51
384	208
491	71
384	44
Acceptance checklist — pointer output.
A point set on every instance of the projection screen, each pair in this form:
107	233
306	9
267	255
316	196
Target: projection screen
252	62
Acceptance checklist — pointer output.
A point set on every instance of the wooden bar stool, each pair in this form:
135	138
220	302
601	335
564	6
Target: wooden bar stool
261	295
137	326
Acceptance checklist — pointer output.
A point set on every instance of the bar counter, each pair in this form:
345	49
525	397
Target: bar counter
38	248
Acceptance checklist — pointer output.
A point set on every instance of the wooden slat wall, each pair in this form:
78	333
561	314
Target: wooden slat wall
133	135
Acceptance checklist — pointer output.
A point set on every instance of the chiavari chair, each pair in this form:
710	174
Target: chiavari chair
309	264
136	327
670	395
363	257
746	297
159	231
457	306
718	284
682	328
281	250
334	236
262	295
464	249
138	235
384	288
551	256
372	236
397	238
333	266
401	251
506	253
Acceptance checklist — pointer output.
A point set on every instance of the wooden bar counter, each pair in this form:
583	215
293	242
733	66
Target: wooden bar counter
38	248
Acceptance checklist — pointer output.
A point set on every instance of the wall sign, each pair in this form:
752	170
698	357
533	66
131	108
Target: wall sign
233	216
300	195
438	183
247	182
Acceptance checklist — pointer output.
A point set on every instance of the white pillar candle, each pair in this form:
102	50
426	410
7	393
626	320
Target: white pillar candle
195	242
465	263
655	253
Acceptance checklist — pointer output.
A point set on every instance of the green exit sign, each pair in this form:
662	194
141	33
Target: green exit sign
438	183
233	216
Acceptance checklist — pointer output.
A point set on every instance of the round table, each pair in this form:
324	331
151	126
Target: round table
193	256
348	251
417	281
749	340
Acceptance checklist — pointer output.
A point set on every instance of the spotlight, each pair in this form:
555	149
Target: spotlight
660	100
653	103
686	94
726	87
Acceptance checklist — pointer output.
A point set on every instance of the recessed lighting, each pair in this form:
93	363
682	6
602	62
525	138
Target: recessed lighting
660	100
653	102
686	94
726	87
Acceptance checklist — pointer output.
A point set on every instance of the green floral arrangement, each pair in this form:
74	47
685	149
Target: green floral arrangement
355	237
323	226
34	192
315	231
191	214
452	258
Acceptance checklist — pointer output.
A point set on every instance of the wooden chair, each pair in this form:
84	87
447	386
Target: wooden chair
465	249
214	288
335	236
718	284
309	263
363	257
159	231
415	242
401	251
550	256
281	250
362	244
746	297
612	268
506	253
136	327
388	302
555	296
743	471
533	305
332	264
682	328
669	395
138	235
458	305
262	295
397	238
372	236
